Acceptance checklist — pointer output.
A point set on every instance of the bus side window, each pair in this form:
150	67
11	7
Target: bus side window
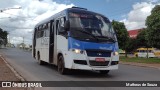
46	30
38	34
47	33
62	22
140	51
42	33
144	51
61	26
57	25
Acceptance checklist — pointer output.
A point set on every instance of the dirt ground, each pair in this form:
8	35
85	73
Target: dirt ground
6	74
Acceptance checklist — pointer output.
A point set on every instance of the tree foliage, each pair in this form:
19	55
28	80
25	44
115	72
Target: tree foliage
141	40
131	45
153	27
3	35
122	34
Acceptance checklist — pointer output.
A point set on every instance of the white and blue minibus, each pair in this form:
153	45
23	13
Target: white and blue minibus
76	38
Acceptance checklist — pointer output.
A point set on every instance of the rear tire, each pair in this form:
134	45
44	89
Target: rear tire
61	66
40	62
104	71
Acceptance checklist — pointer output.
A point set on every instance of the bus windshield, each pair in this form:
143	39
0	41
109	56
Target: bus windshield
94	24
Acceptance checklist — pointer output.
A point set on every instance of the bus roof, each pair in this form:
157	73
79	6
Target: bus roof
64	12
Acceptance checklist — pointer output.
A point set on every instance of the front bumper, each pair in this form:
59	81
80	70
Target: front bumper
84	62
87	67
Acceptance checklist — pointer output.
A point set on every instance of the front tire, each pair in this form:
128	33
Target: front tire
61	66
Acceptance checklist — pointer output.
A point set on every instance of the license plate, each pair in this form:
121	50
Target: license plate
100	59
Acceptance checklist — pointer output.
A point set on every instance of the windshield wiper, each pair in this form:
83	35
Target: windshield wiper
88	34
106	38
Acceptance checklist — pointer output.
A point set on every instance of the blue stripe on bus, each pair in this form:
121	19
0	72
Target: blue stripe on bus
83	45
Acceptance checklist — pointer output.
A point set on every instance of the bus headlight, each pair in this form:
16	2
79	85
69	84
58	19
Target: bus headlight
115	53
78	51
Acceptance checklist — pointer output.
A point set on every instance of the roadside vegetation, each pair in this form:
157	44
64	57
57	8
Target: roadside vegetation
148	37
3	37
140	60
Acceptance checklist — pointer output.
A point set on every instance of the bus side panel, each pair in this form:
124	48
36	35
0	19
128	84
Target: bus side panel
62	47
45	47
38	46
42	48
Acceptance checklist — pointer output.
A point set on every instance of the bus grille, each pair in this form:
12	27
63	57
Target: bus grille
95	63
98	53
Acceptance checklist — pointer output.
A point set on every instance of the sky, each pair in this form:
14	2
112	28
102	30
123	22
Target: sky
20	22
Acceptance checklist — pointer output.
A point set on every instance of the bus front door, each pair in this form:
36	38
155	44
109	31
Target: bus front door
51	42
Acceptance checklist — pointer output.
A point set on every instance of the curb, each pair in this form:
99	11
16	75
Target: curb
140	65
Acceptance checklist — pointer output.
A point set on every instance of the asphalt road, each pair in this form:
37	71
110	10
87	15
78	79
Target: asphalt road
28	67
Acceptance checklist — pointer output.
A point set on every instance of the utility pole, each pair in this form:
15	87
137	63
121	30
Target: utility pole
23	42
9	41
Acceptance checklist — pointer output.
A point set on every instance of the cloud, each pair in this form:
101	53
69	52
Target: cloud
20	22
137	16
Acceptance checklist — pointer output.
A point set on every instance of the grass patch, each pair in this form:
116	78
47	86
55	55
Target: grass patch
140	60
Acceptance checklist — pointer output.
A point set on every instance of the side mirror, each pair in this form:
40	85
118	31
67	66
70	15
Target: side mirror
66	25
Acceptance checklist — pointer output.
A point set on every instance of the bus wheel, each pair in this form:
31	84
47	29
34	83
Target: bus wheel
104	71
40	62
61	67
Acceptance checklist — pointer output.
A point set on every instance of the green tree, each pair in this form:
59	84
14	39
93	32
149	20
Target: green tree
153	27
131	45
139	41
142	40
122	34
3	35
